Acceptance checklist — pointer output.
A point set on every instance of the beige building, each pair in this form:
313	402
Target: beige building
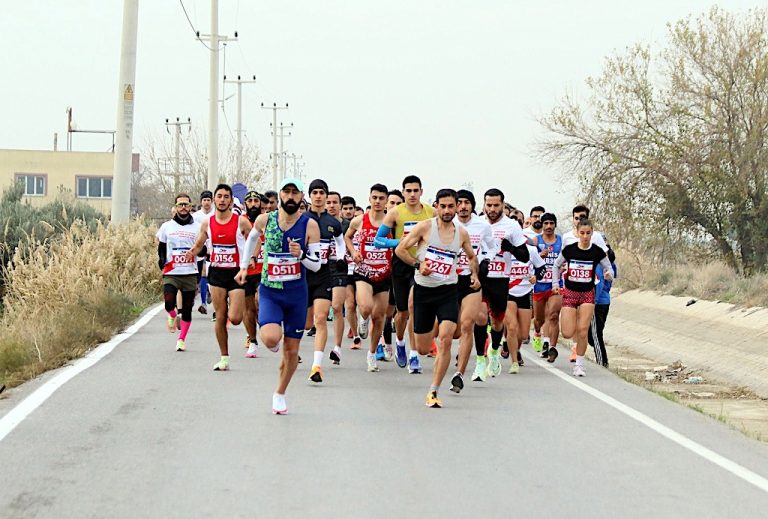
87	175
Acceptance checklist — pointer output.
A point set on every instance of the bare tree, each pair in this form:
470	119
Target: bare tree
153	187
670	147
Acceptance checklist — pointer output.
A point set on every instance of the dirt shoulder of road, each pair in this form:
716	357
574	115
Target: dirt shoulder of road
709	355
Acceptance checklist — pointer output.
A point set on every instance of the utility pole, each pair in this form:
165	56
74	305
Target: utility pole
177	157
213	87
273	124
282	129
296	164
121	180
239	131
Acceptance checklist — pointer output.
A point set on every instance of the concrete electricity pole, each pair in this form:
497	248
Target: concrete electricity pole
213	87
176	156
274	109
281	154
239	130
121	180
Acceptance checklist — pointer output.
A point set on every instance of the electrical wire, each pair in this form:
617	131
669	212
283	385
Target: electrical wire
191	26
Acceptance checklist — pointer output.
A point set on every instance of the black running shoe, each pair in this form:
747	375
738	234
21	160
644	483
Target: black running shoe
312	331
520	358
335	357
552	354
457	383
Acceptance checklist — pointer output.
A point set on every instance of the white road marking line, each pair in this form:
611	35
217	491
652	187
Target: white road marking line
24	408
685	442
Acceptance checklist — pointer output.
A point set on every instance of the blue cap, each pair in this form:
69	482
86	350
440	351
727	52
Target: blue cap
292	182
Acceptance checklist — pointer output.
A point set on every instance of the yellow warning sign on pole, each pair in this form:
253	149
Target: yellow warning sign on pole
128	94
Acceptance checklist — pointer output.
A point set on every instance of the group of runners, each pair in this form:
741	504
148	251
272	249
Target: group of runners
433	273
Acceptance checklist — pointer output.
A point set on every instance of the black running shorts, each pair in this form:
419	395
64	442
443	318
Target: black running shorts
430	303
224	278
522	302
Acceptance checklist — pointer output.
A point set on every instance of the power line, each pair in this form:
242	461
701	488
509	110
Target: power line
191	26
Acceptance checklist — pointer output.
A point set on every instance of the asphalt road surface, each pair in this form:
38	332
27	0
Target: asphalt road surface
148	432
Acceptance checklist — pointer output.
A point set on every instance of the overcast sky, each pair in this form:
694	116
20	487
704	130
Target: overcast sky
448	90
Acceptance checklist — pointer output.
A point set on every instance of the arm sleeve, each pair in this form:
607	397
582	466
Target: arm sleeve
606	264
250	247
536	260
311	257
162	253
341	246
381	241
559	262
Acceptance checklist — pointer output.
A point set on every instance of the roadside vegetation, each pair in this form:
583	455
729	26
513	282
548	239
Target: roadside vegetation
68	284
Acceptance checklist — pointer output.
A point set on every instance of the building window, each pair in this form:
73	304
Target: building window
94	187
34	185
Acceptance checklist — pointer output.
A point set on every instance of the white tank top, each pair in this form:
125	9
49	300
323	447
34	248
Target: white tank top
440	257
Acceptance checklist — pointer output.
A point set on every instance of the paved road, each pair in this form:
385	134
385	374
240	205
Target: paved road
148	432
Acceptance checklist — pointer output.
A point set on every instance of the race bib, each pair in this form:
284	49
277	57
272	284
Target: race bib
375	256
408	227
580	271
518	272
283	266
179	263
440	262
325	250
224	256
497	267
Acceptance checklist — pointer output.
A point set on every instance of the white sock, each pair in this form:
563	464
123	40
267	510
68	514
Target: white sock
371	355
413	353
318	358
400	343
337	348
580	360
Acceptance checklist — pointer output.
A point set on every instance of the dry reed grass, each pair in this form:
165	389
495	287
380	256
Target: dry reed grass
712	281
65	296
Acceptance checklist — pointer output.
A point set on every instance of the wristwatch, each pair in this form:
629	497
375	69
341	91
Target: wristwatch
417	265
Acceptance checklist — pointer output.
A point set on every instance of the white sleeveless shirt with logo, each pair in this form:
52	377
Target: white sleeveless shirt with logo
440	257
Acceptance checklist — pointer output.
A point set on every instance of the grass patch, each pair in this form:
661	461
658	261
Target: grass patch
64	297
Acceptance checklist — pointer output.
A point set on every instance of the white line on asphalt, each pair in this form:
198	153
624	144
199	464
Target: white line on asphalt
16	415
709	455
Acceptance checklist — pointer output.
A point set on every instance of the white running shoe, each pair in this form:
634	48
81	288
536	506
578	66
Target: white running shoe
251	353
362	328
278	404
578	371
494	362
372	367
514	369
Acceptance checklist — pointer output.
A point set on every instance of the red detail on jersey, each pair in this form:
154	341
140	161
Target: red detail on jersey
224	243
377	263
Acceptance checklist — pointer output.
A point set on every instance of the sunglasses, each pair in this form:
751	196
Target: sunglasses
182	204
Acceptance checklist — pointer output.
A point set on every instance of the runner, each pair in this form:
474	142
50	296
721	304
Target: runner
350	304
291	246
517	319
204	213
400	221
547	305
175	237
509	240
602	306
319	283
272	197
435	295
384	351
580	260
226	233
470	299
253	279
339	276
372	268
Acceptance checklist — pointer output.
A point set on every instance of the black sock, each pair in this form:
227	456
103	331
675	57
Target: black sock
388	331
496	338
481	334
